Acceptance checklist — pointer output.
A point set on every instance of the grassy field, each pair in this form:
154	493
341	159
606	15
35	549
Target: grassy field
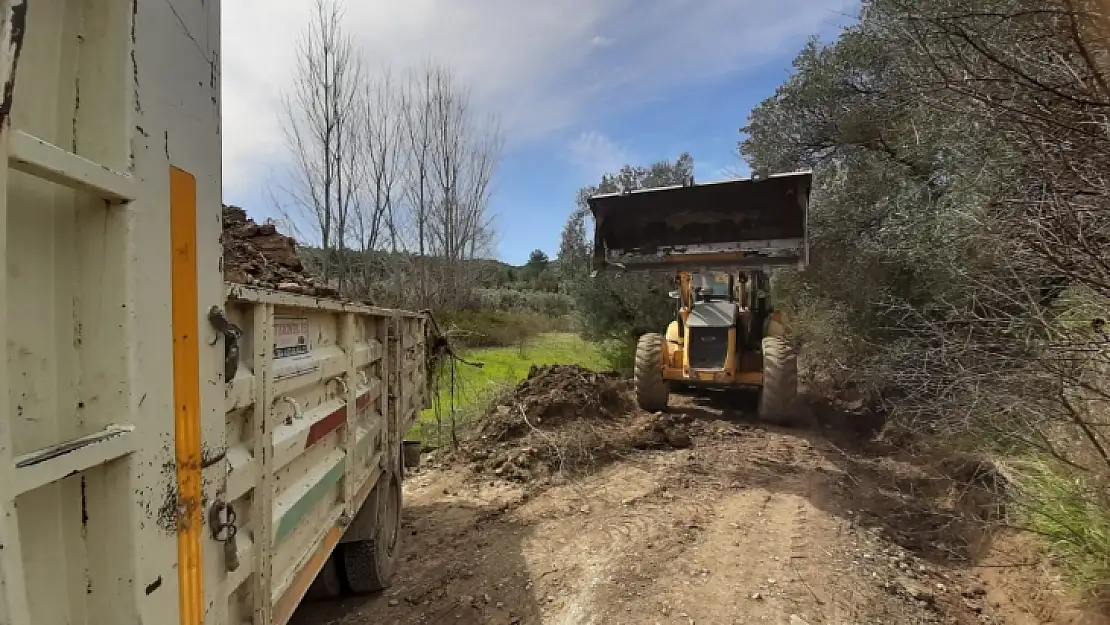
475	388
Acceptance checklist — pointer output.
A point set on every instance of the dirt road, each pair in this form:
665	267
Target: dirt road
745	523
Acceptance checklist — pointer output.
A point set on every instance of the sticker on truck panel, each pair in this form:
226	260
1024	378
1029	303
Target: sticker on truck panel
290	337
292	349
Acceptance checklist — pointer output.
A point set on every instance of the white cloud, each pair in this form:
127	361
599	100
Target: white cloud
596	154
542	66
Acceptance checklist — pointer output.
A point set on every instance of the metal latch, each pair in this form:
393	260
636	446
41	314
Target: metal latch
221	525
231	334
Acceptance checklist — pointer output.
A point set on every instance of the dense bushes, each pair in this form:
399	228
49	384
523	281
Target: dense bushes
539	302
615	309
497	328
961	237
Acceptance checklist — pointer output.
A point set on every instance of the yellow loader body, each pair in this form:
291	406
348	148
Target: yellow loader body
720	241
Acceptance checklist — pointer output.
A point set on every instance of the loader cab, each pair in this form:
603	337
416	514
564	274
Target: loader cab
748	290
713	286
708	287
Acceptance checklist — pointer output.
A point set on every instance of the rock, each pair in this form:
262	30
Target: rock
237	275
909	588
974	590
394	603
677	438
291	287
797	620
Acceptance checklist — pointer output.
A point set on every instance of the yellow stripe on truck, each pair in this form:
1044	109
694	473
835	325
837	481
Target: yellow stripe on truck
186	392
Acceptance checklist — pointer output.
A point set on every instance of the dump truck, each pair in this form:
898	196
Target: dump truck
173	448
719	242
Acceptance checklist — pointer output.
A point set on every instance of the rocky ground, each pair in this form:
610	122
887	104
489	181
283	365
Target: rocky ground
572	507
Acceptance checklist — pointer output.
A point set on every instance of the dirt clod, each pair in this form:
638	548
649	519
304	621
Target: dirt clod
566	419
258	255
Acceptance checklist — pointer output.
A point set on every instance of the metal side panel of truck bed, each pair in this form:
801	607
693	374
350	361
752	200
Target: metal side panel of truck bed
137	484
315	414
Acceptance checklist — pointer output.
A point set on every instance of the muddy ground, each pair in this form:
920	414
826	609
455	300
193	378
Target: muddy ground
590	512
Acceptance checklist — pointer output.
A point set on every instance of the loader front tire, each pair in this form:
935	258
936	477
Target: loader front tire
368	565
778	397
652	391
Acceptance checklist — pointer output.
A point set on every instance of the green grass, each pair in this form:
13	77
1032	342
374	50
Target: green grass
1073	518
477	389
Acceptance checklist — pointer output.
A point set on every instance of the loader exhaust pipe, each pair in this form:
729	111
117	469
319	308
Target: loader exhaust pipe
721	225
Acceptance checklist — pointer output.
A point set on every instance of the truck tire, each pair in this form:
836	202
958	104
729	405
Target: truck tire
327	584
652	391
778	397
368	564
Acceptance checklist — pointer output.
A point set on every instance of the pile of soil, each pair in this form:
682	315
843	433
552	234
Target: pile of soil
563	419
258	255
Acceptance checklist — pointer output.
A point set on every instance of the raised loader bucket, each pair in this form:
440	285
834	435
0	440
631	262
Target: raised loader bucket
736	223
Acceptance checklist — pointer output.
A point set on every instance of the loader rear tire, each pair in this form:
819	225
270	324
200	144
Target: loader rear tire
652	391
778	397
368	565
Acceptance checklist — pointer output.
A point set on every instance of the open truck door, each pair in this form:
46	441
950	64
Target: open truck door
737	223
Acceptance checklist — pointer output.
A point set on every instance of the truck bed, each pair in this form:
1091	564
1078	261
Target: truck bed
155	468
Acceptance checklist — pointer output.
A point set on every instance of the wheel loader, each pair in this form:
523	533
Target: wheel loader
719	242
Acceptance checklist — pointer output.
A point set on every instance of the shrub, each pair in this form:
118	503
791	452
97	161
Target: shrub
539	302
446	428
496	328
619	354
1073	516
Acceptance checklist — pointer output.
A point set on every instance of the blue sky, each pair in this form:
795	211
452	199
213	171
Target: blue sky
580	86
538	184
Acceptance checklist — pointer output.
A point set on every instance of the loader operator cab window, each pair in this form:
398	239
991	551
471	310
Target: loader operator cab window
714	285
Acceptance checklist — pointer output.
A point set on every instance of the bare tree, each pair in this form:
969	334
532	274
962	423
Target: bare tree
384	158
464	151
382	161
418	100
321	114
453	155
393	176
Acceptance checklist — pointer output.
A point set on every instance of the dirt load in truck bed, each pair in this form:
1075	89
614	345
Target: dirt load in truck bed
258	255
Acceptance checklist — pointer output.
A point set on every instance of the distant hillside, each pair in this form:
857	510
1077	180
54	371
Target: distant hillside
492	273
